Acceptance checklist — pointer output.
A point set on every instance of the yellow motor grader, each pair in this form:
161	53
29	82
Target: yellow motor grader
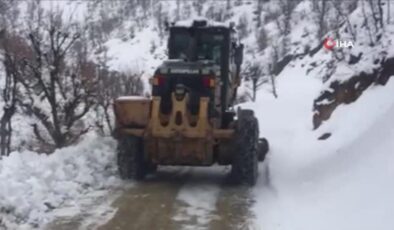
190	120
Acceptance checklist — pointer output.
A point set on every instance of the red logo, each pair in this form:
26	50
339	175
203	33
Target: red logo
329	43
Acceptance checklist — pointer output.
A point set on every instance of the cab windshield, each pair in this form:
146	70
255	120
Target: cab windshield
200	46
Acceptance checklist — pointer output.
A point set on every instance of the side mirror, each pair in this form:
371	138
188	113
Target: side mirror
239	54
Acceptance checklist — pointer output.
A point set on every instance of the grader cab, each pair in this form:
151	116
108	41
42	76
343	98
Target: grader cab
189	120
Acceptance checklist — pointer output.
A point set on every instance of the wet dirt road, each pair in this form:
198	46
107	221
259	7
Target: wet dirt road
179	198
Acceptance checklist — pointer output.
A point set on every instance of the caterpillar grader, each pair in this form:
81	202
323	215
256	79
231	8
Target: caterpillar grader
189	120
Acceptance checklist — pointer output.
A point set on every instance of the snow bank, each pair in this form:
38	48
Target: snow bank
344	182
32	184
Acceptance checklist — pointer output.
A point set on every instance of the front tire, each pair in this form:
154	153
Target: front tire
245	162
131	164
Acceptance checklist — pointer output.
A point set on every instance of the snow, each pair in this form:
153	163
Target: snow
35	188
340	183
70	10
131	98
189	23
140	56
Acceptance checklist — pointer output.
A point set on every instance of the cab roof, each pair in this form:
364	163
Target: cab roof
201	23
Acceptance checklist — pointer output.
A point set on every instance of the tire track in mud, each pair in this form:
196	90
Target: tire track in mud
210	201
195	204
149	205
184	198
233	209
179	198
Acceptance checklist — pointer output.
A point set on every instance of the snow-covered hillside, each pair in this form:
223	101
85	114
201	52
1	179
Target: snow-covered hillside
130	37
330	127
343	182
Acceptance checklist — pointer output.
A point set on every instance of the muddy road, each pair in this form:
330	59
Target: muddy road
177	198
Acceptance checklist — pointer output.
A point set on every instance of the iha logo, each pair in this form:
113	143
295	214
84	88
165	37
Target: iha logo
330	43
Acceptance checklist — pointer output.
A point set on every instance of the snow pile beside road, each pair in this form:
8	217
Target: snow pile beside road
343	182
33	185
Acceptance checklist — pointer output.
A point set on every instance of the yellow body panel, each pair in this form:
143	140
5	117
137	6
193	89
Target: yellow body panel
178	138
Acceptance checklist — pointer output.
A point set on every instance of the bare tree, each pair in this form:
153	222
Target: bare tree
104	99
227	11
112	85
273	80
258	11
343	13
178	10
60	85
273	66
284	23
388	12
262	39
35	14
237	2
374	18
13	49
9	92
321	7
366	24
242	27
377	13
198	5
5	8
9	108
159	15
217	13
253	72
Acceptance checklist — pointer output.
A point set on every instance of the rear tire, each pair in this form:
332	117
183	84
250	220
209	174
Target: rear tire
130	160
245	162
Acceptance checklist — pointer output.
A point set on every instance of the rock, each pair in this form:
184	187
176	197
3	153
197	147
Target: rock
325	136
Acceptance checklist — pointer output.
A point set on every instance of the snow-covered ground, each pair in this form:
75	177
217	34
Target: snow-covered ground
344	182
37	188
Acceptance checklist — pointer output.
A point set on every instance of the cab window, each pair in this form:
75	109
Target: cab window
180	45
